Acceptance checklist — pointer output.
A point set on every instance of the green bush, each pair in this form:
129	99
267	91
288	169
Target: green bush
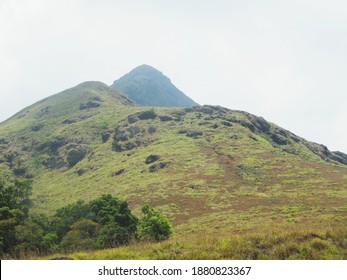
116	224
14	207
82	236
29	237
104	222
153	225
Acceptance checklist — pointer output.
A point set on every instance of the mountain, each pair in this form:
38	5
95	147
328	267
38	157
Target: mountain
149	87
214	172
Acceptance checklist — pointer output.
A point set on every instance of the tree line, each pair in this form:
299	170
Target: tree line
104	222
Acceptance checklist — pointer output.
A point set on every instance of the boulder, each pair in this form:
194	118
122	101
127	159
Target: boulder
165	118
54	162
152	130
132	119
89	105
152	158
75	155
36	127
56	143
147	115
105	136
81	171
182	131
194	133
118	172
226	123
205	109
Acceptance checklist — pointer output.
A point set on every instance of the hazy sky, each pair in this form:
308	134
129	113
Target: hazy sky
283	60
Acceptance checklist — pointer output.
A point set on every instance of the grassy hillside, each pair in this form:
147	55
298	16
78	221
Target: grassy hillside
221	176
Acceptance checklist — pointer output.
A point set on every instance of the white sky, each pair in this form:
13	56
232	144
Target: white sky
283	60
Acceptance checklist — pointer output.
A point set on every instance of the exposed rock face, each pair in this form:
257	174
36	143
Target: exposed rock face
340	157
279	139
258	125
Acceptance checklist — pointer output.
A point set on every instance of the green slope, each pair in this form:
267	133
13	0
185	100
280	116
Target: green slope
218	171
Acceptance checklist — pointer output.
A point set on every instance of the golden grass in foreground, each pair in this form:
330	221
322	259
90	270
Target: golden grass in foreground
329	244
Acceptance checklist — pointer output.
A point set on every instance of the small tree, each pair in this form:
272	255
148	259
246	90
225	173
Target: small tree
81	236
113	235
29	237
153	225
14	207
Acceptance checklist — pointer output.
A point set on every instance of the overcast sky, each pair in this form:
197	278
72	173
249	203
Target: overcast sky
283	60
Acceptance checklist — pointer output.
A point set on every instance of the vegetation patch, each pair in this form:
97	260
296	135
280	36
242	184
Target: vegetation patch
104	222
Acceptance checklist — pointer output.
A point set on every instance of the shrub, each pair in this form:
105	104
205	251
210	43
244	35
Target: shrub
82	235
29	236
113	235
153	225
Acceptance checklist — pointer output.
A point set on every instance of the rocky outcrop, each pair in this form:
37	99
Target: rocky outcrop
37	127
54	162
75	155
93	103
152	158
118	172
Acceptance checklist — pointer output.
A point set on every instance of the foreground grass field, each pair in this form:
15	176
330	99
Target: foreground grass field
260	237
329	244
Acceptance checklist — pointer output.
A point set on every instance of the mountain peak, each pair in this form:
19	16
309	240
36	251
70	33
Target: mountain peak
149	71
92	84
145	67
148	86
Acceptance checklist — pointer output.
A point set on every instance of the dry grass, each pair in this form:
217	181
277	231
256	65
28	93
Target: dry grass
300	244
